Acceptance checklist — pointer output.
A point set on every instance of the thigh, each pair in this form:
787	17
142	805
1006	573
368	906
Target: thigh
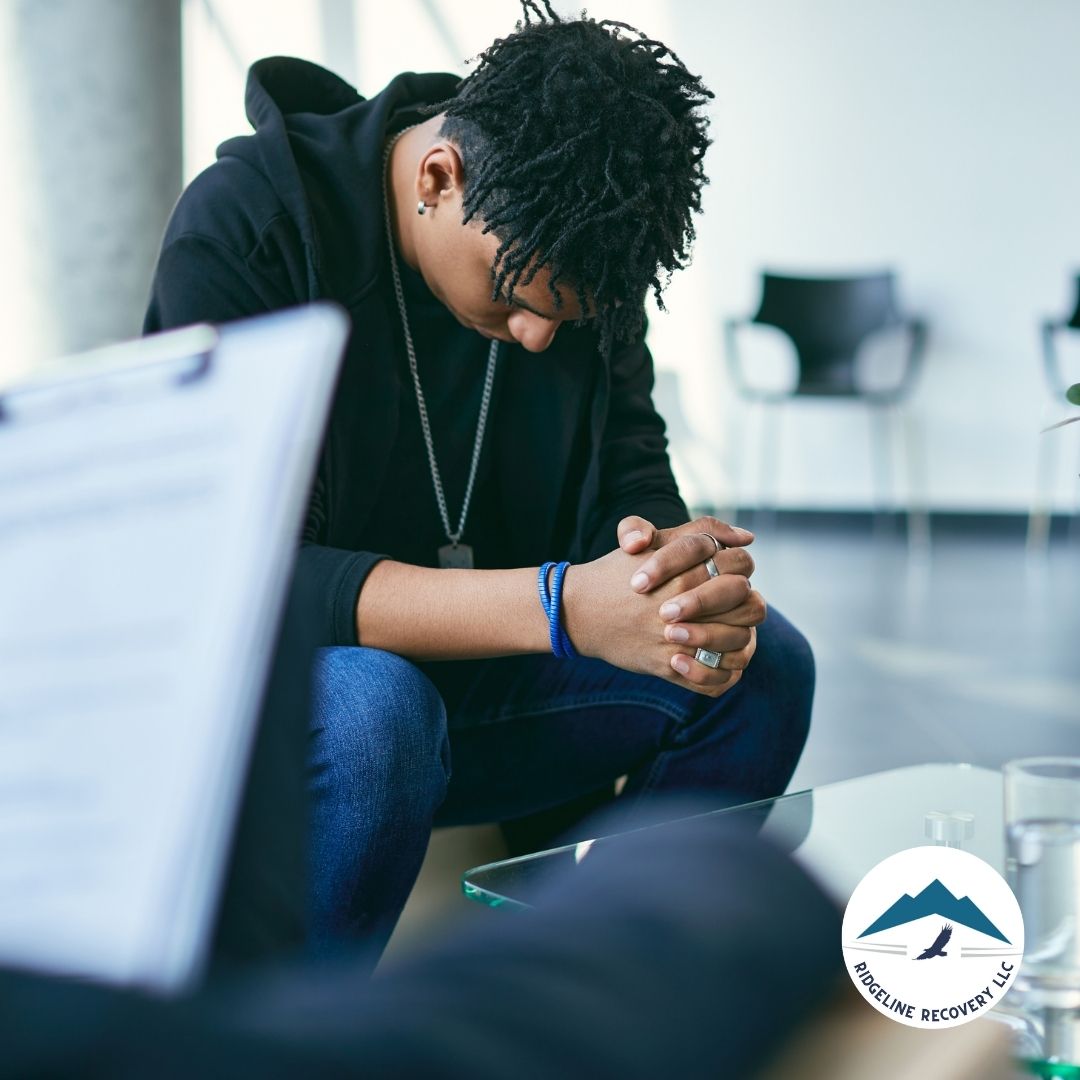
531	732
483	693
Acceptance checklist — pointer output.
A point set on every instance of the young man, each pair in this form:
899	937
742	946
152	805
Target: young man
493	241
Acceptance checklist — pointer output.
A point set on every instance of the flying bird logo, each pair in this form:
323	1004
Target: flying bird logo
938	947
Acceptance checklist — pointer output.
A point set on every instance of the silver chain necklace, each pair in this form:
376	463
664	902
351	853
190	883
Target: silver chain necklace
455	554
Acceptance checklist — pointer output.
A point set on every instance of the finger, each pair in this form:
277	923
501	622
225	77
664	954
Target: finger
739	659
699	677
729	535
734	659
685	552
714	597
716	637
635	534
752	612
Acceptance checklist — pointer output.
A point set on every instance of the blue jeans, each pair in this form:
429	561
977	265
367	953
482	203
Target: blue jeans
524	733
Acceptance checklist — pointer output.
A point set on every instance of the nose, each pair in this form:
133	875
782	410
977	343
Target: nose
531	331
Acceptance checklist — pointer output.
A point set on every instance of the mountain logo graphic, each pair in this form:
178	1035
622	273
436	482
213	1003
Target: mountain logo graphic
935	899
933	937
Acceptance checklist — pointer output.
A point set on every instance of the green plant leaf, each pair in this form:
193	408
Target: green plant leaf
1073	393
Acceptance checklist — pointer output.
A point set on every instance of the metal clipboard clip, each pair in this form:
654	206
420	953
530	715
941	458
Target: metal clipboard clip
116	373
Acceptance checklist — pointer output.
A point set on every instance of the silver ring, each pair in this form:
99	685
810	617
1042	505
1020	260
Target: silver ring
708	658
710	566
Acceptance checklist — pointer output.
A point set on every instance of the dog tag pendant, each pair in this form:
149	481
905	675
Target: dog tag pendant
455	557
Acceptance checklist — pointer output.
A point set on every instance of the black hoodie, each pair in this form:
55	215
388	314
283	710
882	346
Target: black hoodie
294	213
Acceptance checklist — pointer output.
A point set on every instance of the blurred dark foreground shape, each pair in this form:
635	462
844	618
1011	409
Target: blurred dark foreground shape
734	973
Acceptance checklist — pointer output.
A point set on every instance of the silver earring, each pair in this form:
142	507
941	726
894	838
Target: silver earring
421	208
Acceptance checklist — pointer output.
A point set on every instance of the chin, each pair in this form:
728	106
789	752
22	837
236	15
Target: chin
492	336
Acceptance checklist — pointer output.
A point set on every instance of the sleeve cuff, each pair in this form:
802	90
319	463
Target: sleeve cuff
333	579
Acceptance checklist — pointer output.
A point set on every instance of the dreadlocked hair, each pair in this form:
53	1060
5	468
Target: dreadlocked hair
582	143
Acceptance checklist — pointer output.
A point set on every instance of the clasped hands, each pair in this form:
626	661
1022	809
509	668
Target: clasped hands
660	605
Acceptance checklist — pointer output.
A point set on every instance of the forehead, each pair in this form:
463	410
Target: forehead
536	296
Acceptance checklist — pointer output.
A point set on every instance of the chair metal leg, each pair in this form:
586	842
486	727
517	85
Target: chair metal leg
1074	520
1038	530
884	478
918	515
769	455
730	501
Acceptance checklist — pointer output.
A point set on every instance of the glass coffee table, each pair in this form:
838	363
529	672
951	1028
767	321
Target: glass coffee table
836	831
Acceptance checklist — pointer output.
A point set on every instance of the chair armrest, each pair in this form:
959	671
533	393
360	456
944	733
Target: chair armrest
917	332
1055	377
731	353
916	353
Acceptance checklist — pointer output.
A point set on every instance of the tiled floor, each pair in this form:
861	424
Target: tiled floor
971	653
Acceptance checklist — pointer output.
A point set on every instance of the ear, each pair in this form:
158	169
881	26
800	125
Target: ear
440	174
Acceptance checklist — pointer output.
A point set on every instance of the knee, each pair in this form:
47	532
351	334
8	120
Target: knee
379	724
783	668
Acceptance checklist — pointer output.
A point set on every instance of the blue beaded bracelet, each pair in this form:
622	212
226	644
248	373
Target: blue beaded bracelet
551	599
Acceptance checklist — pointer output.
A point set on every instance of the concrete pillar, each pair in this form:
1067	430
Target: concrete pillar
337	21
98	158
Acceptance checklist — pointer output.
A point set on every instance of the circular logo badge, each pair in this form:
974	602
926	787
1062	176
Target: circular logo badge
933	937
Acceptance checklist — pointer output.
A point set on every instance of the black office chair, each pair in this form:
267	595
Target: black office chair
1058	383
829	320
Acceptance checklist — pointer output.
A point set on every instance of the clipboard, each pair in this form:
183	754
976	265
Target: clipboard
151	497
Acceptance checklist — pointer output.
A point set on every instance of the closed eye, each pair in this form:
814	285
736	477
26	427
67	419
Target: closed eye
516	303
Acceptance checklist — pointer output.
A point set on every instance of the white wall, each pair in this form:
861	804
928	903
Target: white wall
222	37
932	135
935	137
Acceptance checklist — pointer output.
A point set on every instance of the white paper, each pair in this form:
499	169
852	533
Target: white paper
146	529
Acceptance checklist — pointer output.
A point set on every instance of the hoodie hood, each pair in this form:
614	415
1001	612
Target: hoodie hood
320	145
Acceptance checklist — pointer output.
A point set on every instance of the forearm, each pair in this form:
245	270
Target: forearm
427	614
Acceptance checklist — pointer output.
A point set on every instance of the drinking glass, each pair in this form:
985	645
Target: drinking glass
1042	830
